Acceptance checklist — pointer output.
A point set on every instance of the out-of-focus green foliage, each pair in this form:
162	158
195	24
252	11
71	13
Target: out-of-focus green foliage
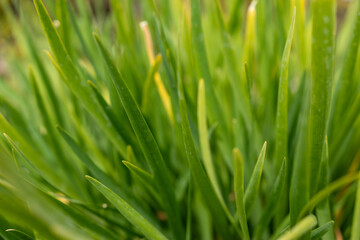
190	119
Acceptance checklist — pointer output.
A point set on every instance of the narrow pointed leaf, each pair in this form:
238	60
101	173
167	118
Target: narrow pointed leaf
147	144
323	32
281	144
204	142
128	212
254	183
198	173
239	192
272	204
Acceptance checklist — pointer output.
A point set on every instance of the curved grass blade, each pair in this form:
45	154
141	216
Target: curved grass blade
254	183
321	195
128	212
272	205
322	230
322	61
17	234
198	173
73	79
301	228
355	233
239	192
147	144
281	132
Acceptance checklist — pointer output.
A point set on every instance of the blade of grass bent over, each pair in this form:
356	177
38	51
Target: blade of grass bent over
281	144
147	144
239	192
131	214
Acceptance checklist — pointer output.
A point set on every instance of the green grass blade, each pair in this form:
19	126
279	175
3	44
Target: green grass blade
142	174
323	32
301	228
73	80
322	230
324	193
239	192
355	233
121	129
323	210
348	68
273	203
63	162
145	178
254	183
44	74
32	154
85	159
146	101
99	174
198	173
83	220
198	42
204	142
17	234
147	144
281	144
128	212
300	184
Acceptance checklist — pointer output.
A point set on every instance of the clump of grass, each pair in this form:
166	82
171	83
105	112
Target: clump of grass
179	119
